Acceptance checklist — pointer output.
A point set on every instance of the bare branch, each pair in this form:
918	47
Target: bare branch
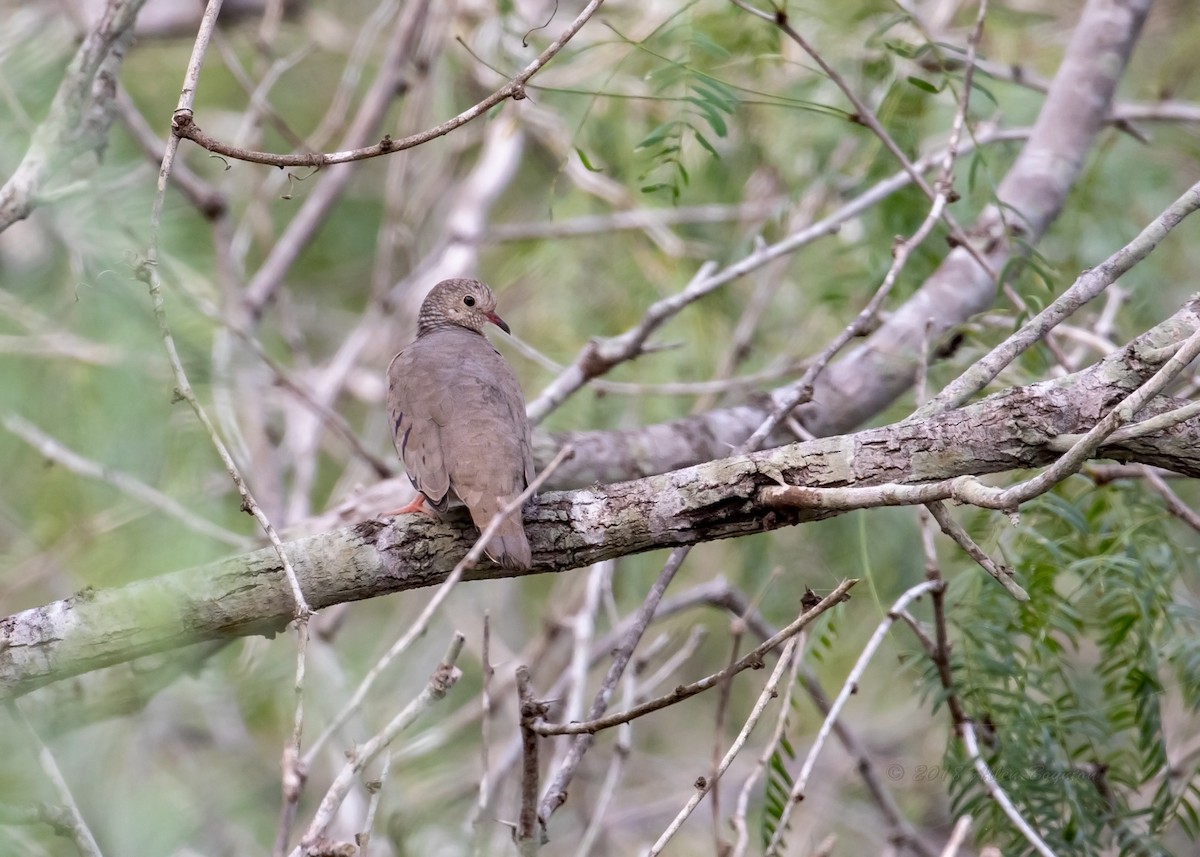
183	124
848	688
79	115
444	677
752	660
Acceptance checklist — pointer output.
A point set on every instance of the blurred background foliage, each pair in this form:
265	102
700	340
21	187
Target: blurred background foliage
667	106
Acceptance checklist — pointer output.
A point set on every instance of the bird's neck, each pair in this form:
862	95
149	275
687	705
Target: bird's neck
427	326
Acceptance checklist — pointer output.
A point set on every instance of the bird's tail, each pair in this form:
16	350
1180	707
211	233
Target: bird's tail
509	547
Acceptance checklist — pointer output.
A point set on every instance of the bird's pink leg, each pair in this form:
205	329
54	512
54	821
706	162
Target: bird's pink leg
417	504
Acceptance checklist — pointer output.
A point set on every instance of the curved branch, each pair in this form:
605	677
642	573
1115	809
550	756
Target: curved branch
183	123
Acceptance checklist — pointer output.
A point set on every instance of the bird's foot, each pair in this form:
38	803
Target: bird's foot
417	504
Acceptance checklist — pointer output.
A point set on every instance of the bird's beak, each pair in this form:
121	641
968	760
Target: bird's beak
499	322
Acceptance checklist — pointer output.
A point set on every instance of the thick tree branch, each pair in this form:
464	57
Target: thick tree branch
1011	430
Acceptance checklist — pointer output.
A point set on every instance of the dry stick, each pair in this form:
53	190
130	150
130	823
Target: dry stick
1175	504
529	834
418	628
938	649
71	818
622	749
957	836
485	700
752	660
607	644
707	594
724	692
939	512
295	773
293	778
375	787
703	786
514	89
998	570
583	629
149	273
556	793
1089	284
738	819
443	678
52	450
839	702
998	794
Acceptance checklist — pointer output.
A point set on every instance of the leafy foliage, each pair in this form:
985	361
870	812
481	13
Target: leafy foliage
701	102
1069	688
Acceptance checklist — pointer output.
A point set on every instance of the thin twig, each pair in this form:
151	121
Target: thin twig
293	776
741	809
751	660
800	784
485	700
52	450
72	819
998	570
183	123
375	787
957	836
622	749
705	785
992	785
439	684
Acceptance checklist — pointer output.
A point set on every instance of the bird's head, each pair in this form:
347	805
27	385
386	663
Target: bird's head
466	303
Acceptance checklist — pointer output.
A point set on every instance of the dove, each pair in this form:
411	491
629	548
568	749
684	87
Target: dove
458	417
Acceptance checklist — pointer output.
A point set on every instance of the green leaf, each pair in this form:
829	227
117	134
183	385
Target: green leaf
658	134
925	85
703	141
587	164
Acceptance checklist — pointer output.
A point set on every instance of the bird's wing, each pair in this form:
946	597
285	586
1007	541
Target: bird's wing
416	412
487	440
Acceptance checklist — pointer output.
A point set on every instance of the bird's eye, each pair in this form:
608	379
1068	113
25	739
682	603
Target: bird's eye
469	300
